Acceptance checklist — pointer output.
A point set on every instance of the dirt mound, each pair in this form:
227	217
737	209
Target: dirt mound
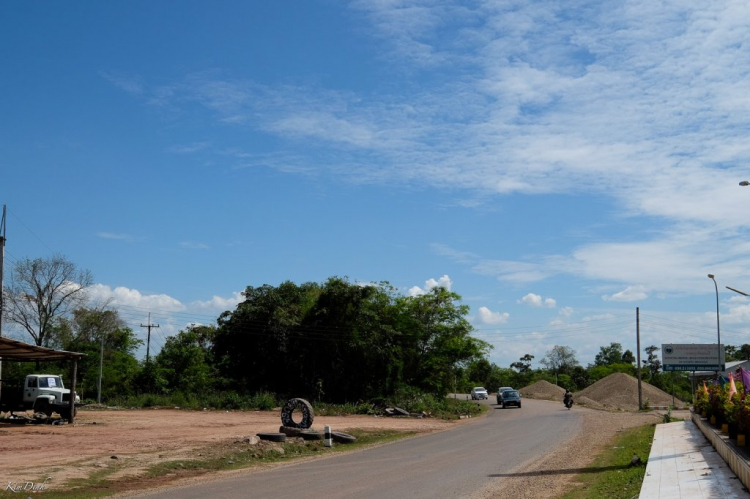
620	391
543	390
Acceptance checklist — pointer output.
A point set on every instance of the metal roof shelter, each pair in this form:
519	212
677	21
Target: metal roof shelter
23	352
17	350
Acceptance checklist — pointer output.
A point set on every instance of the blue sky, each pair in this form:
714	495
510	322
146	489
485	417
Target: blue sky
557	164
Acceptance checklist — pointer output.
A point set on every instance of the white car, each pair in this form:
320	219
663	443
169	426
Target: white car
478	393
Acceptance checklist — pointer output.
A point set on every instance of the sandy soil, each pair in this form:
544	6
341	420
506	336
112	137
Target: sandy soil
135	439
129	441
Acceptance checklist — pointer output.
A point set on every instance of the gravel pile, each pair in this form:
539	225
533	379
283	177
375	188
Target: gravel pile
619	391
543	390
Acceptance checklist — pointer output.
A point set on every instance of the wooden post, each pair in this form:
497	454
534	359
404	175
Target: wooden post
638	358
72	400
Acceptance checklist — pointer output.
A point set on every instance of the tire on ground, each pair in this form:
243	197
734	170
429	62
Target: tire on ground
342	438
272	437
297	404
311	435
289	431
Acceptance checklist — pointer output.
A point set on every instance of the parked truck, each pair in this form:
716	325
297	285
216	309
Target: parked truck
42	393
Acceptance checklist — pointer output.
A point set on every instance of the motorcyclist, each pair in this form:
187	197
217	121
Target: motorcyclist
568	398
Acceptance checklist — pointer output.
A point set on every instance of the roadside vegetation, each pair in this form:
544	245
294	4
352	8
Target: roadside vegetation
345	347
612	473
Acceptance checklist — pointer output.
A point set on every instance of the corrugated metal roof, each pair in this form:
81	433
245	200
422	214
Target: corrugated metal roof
18	350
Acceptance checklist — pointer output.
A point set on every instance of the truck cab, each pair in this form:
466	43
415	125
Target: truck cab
42	393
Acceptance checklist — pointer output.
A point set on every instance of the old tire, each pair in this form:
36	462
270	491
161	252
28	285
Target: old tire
311	435
301	405
289	431
43	407
272	437
342	438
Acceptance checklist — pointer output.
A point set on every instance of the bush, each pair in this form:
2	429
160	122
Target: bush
263	401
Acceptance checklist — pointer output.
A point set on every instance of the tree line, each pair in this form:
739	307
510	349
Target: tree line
336	342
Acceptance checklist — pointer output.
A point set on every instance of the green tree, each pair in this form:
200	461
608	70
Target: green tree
609	355
560	360
628	357
109	345
186	360
731	352
652	362
436	338
523	365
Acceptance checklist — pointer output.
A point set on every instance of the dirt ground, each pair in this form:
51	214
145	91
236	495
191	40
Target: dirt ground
133	440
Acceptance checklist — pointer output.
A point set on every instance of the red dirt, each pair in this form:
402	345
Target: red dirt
133	440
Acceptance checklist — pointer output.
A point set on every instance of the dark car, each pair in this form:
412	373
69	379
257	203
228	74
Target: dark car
510	397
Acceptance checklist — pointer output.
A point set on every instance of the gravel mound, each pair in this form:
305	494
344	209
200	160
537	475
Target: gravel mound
543	390
619	391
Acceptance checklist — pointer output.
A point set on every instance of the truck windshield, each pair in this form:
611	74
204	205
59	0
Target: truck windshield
50	382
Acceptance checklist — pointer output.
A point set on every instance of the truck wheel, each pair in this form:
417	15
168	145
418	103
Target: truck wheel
43	407
297	404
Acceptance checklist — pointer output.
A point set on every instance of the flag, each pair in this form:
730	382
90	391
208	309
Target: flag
745	374
732	387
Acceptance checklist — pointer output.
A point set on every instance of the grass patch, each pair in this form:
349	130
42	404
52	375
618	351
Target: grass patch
611	475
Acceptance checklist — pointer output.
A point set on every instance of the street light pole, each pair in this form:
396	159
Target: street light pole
718	329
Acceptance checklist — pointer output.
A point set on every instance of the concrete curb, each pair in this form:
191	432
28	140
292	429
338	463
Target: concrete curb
729	451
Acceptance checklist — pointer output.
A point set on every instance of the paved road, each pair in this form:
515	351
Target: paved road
448	464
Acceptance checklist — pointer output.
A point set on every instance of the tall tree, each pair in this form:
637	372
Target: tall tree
652	362
628	357
731	352
609	355
524	364
561	360
186	360
109	346
437	338
42	290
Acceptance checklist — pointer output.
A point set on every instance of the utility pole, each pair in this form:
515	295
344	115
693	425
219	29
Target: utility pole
101	364
638	346
148	341
2	286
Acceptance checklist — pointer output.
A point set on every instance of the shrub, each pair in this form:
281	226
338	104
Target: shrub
263	401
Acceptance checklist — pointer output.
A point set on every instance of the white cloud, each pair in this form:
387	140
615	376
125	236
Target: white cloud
631	293
443	282
537	301
112	235
121	295
219	303
487	316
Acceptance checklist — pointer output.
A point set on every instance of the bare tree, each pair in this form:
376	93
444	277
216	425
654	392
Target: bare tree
42	290
560	360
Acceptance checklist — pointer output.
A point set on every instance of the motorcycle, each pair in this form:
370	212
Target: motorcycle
568	402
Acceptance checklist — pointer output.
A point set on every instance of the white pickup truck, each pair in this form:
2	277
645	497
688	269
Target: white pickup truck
43	393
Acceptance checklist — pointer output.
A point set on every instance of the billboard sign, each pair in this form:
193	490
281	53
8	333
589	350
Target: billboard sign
692	357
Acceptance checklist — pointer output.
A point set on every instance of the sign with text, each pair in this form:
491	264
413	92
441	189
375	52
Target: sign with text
692	357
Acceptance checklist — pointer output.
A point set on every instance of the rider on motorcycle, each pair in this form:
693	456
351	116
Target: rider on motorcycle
568	398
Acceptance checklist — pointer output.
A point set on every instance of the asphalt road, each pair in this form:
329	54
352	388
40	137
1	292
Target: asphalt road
448	464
